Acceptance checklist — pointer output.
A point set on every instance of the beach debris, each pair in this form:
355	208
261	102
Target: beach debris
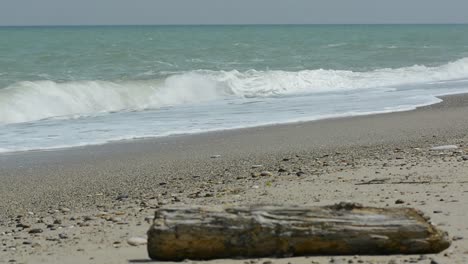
203	233
136	241
445	147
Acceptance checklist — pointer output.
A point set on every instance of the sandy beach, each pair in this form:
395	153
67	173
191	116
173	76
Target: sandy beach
81	205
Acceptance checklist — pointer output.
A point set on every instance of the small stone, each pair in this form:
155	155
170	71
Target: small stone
437	212
24	226
35	231
255	174
63	236
445	147
137	241
64	210
116	219
455	238
215	156
89	218
399	201
256	166
465	157
266	173
121	197
300	173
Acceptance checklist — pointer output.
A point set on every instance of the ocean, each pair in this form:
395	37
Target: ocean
74	86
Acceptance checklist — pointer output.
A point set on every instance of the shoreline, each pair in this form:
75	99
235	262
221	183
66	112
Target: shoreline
315	163
222	130
217	131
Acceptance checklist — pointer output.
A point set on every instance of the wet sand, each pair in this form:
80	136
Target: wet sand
88	201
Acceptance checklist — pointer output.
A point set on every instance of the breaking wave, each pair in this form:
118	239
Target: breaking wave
29	101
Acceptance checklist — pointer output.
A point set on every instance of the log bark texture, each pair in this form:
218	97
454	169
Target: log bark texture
202	233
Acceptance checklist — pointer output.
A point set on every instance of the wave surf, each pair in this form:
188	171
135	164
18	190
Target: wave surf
35	100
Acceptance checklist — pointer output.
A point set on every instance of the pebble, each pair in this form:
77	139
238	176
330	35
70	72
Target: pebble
399	201
116	219
121	197
63	236
89	218
35	231
445	147
136	241
266	173
215	156
21	225
64	210
300	173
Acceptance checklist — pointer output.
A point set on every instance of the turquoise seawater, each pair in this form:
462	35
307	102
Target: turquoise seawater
72	86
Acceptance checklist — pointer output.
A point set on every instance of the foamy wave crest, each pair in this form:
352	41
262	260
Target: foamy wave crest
29	101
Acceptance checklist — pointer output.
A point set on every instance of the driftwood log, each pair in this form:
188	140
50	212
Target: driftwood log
202	233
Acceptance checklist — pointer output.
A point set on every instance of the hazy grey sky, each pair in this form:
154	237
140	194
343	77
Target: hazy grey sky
85	12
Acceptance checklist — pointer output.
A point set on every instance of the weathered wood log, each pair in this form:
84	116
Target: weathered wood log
202	233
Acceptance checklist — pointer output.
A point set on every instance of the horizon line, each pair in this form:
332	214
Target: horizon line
237	24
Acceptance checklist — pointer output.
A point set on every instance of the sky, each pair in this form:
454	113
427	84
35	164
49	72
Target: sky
130	12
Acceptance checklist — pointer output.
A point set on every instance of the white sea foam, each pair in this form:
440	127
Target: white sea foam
335	45
29	101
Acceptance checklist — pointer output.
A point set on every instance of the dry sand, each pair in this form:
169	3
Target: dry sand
84	203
